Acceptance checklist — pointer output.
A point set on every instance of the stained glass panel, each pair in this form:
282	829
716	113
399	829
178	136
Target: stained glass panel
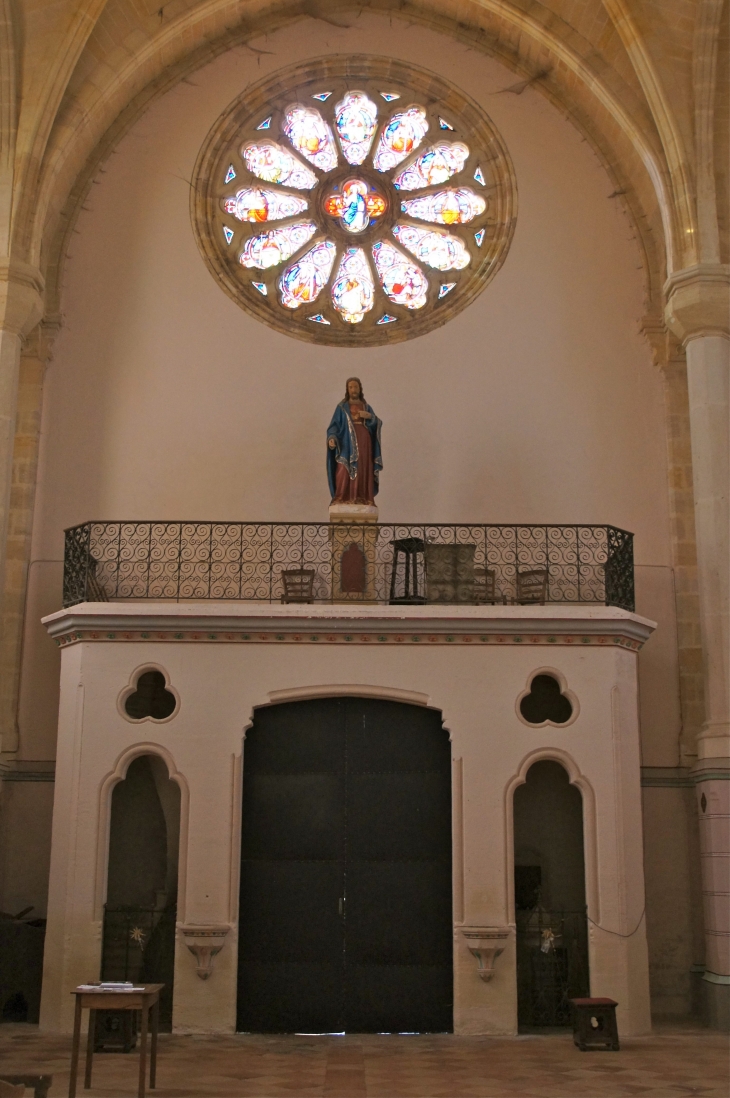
254	204
301	283
433	246
435	165
356	205
403	281
228	234
445	288
321	96
265	125
450	207
271	248
444	124
311	136
401	136
319	319
261	287
353	289
230	174
356	118
479	237
275	165
389	97
479	176
386	318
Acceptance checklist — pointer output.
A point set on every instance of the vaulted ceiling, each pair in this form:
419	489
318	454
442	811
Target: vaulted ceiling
641	79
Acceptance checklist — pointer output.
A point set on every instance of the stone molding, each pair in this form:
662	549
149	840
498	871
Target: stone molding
698	301
266	623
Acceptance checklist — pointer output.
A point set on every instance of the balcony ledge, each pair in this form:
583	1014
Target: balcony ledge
256	622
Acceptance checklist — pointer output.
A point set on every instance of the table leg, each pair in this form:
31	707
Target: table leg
143	1048
75	1049
153	1052
89	1049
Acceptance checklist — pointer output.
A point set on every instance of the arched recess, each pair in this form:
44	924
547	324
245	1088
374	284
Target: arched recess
537	45
590	839
106	789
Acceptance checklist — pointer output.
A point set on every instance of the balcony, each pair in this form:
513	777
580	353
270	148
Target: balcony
311	562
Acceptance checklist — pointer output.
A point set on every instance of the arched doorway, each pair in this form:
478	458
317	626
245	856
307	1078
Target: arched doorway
141	902
345	906
550	906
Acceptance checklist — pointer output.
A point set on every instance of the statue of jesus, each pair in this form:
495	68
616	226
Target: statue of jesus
353	448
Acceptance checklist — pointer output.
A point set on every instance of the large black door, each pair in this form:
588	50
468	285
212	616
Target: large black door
345	913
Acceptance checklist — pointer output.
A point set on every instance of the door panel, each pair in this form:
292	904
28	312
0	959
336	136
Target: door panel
346	799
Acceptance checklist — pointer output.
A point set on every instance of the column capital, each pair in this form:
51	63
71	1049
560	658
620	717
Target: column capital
698	301
21	296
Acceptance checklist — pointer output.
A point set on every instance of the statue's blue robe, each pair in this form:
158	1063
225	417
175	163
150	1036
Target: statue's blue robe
342	430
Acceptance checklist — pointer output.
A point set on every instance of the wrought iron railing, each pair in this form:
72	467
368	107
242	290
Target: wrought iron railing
309	561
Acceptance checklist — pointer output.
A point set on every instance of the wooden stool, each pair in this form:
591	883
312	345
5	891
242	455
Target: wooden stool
594	1024
145	998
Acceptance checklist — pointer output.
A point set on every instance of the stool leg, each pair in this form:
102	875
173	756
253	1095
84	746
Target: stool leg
75	1049
89	1049
143	1049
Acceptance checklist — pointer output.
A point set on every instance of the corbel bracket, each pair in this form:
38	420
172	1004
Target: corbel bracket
205	942
485	943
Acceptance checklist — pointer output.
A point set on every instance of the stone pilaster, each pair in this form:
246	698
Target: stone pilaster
34	357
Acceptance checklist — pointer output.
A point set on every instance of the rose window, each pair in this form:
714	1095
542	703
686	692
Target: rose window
352	200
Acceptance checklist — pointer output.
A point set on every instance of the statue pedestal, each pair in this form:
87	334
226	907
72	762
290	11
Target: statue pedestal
353	512
353	541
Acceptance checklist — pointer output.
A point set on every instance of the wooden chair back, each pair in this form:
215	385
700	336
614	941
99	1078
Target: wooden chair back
298	584
532	586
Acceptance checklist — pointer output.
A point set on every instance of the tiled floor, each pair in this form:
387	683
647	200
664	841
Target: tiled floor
675	1062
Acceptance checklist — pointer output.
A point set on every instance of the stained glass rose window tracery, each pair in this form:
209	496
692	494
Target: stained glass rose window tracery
343	218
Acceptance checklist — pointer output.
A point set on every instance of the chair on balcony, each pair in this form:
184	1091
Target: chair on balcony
409	549
485	586
95	590
298	584
532	586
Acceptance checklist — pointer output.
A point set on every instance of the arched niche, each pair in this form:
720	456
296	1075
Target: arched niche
142	883
550	896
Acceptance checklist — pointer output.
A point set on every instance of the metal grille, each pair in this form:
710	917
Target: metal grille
247	560
138	944
552	965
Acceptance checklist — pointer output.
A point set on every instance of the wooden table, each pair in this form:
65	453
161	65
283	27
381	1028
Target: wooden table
145	1001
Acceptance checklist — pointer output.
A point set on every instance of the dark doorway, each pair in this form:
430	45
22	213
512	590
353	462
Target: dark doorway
345	913
550	910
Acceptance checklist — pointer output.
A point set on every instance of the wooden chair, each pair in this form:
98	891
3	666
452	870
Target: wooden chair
485	586
41	1084
95	590
298	584
532	586
7	1090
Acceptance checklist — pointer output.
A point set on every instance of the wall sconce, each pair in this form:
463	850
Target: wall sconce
485	943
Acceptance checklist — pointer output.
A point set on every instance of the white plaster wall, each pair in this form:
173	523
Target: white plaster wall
476	689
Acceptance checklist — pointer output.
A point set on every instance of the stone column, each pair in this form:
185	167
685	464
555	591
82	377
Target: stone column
698	312
34	358
21	307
